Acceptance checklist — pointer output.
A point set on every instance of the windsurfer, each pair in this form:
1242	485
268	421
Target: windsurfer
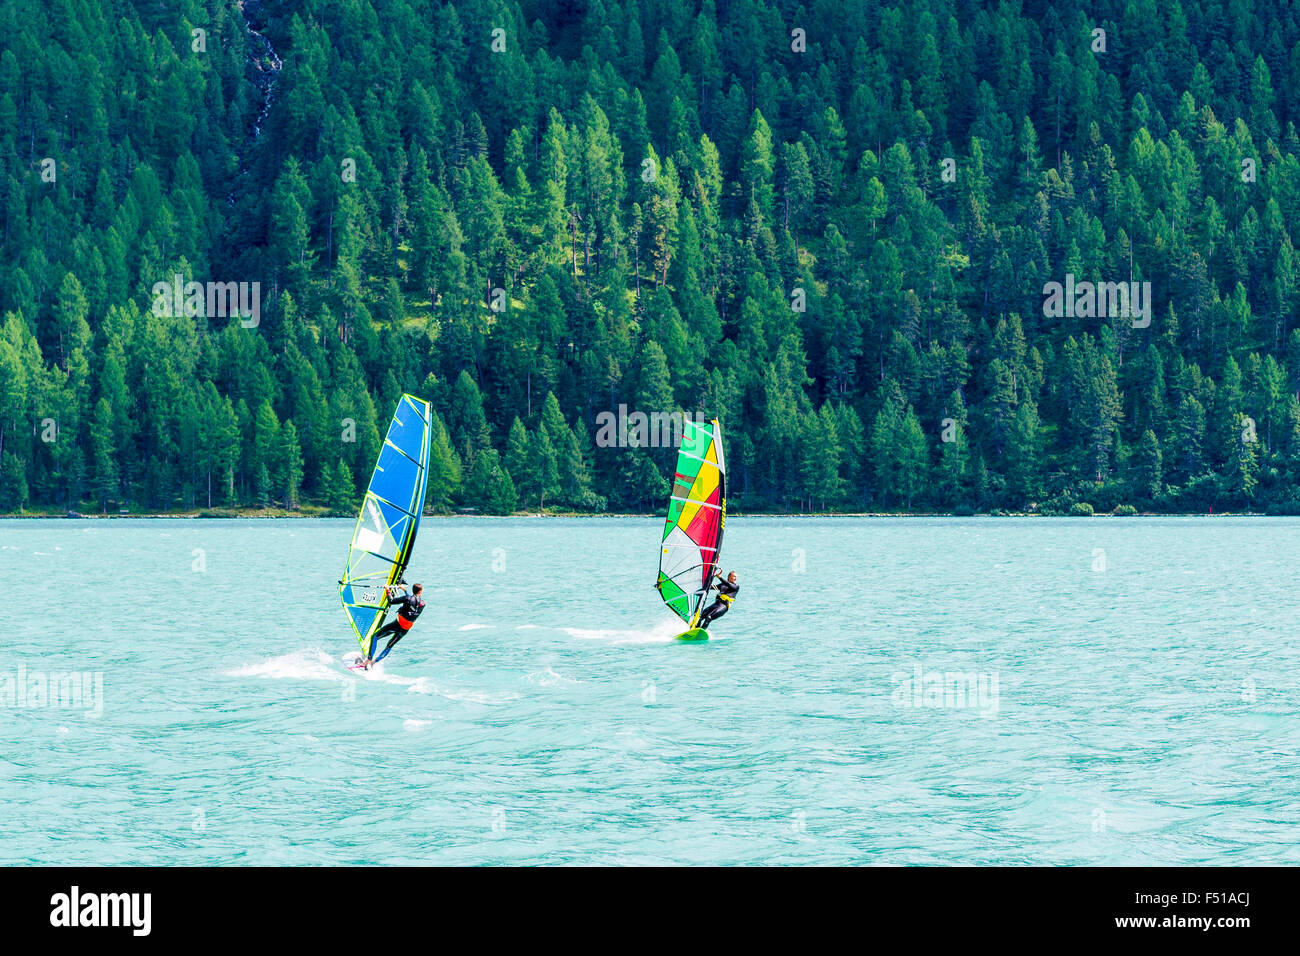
728	588
408	607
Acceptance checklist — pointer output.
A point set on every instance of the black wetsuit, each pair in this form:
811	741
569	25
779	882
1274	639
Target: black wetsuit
408	607
726	594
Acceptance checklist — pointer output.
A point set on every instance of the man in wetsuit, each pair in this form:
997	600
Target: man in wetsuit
727	591
408	607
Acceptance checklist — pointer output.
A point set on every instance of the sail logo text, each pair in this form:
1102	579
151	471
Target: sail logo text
953	690
60	690
641	430
73	909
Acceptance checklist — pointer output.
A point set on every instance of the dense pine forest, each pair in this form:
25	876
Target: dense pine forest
833	225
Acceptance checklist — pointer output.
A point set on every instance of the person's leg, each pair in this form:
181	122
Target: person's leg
388	628
712	613
396	637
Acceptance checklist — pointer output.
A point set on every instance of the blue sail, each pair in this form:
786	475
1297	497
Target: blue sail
389	520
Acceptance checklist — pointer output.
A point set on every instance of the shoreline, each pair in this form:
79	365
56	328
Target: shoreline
273	514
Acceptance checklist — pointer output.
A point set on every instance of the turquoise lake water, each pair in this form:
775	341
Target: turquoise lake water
886	691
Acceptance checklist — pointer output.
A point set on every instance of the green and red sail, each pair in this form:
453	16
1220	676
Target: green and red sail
697	510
